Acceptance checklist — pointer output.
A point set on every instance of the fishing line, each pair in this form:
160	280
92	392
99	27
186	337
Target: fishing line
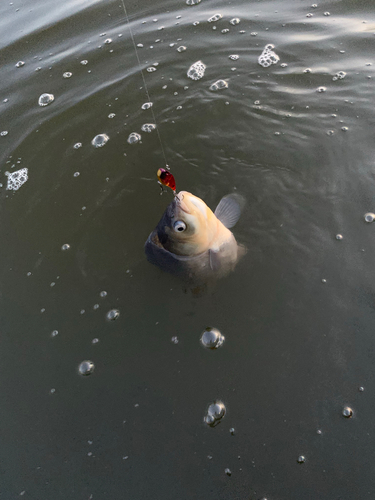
144	81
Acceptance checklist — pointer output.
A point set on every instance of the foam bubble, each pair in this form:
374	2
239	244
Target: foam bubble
214	18
215	413
339	76
134	138
3	133
148	127
113	314
234	57
193	2
219	85
16	179
211	338
147	105
100	140
45	99
268	56
86	367
151	69
196	70
235	21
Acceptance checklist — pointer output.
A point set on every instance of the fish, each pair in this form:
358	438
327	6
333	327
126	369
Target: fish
192	241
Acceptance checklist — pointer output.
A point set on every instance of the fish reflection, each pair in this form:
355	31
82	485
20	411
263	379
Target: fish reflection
192	241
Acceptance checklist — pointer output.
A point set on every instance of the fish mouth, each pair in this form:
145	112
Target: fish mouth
179	203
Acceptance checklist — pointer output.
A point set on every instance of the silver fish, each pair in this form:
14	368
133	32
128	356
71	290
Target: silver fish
192	241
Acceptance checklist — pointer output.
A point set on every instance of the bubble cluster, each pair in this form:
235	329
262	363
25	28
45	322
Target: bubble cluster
113	314
45	99
268	56
174	340
148	127
4	133
134	138
339	76
151	69
86	367
16	179
196	70
215	413
219	85
100	140
369	217
211	338
214	18
234	57
147	105
193	2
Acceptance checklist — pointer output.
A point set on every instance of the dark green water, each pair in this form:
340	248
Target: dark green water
297	349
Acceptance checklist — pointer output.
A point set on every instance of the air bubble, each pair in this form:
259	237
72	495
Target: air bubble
253	33
235	21
148	127
95	341
196	70
228	472
344	129
103	294
219	85
234	57
67	74
20	64
232	431
46	99
195	23
339	237
16	179
327	14
140	45
147	105
215	413
174	340
54	333
100	140
76	174
214	18
111	115
361	389
268	57
301	459
134	137
330	132
108	41
151	69
347	412
113	314
65	246
307	70
225	30
182	48
369	217
86	367
212	338
4	133
283	65
339	76
309	15
96	306
84	62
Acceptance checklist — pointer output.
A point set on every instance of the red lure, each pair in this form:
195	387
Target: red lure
166	178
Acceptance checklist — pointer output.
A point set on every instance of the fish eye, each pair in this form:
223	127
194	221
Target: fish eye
179	226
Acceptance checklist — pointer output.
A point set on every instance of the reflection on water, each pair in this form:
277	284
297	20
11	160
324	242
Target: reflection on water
295	137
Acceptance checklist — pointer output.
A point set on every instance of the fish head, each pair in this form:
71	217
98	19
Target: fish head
188	226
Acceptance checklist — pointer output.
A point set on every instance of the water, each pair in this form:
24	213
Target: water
297	348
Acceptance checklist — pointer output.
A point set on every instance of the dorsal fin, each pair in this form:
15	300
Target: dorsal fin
229	209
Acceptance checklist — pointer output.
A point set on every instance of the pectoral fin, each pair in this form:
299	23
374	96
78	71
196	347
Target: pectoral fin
214	260
229	209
